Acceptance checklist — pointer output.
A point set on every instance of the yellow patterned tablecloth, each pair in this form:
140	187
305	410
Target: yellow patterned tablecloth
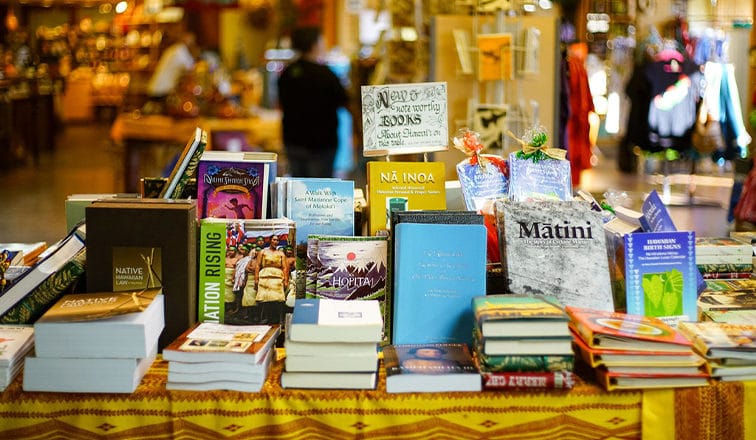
713	412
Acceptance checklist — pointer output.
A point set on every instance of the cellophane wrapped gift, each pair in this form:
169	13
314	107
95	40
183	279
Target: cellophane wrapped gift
537	171
483	178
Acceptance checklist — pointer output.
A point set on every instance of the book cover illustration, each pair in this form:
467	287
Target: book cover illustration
435	281
403	186
656	217
312	267
710	335
404	118
232	189
233	256
93	306
660	275
598	328
218	337
567	241
137	268
495	57
509	307
433	359
185	167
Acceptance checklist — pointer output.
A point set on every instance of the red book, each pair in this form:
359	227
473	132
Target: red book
596	357
500	380
623	331
611	380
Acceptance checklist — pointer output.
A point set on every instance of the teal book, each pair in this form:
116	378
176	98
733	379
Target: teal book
661	275
318	207
440	268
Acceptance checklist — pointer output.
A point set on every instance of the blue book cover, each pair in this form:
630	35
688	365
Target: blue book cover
656	218
439	269
660	270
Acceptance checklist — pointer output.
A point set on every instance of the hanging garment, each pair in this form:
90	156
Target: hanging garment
578	127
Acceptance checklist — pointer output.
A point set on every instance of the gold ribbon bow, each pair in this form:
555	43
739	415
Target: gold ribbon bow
529	150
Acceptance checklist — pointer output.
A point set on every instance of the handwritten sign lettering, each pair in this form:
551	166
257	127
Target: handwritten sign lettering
404	118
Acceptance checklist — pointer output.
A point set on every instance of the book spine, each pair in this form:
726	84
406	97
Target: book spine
212	267
512	364
33	305
191	168
548	380
708	268
727	275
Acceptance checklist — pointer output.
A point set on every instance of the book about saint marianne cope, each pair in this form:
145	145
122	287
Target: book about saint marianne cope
230	254
555	248
430	368
435	281
234	184
144	243
661	275
403	186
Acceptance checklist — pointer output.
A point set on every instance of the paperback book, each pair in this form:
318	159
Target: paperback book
213	342
435	281
661	275
242	377
569	244
325	320
234	184
329	380
403	186
16	342
430	368
232	254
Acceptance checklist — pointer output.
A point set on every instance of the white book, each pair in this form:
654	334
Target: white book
315	380
343	363
198	372
86	375
228	385
321	320
15	343
130	335
527	346
299	348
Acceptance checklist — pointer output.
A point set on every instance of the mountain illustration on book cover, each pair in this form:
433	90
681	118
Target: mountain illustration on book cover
351	268
227	189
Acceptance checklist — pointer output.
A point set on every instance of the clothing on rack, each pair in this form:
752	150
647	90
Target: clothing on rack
577	129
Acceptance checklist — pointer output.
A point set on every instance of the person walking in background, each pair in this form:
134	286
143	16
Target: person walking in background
310	95
176	60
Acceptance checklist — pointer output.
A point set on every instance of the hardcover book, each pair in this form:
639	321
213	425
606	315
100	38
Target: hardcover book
727	299
661	275
521	363
721	340
234	185
430	368
186	166
352	268
101	325
628	381
230	255
212	342
324	320
595	357
403	186
36	302
569	244
50	262
623	331
435	281
501	380
516	315
723	246
523	346
116	226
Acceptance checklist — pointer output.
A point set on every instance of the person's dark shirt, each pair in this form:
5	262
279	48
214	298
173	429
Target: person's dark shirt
310	94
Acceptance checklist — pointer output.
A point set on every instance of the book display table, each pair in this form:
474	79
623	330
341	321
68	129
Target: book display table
719	411
150	142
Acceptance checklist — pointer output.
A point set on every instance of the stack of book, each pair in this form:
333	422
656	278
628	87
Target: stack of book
212	356
634	351
332	344
731	300
729	349
522	341
96	342
16	342
723	257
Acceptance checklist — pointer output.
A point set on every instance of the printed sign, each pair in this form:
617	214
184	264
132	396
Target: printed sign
404	118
